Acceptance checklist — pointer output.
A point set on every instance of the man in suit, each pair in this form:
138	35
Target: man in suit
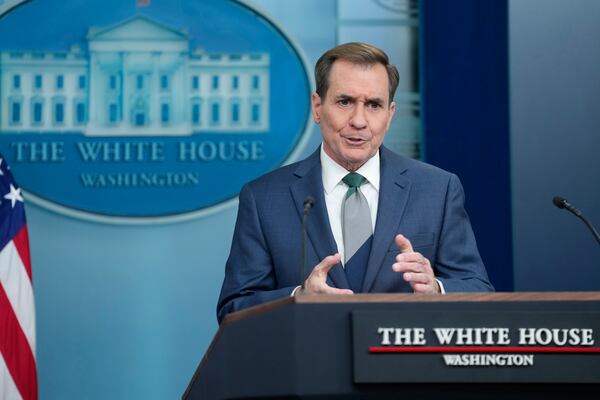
381	222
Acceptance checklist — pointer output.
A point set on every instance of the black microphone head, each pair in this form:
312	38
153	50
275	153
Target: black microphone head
559	202
309	202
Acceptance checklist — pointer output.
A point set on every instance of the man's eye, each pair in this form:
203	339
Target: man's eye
343	102
374	105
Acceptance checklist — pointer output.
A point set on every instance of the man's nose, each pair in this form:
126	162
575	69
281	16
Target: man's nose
359	119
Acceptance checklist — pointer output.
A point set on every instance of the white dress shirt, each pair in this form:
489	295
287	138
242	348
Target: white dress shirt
335	190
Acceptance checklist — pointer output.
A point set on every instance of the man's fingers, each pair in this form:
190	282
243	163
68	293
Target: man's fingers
331	290
411	257
316	283
403	244
417	278
328	262
416	268
412	262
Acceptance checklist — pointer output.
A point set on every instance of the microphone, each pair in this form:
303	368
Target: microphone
561	202
309	202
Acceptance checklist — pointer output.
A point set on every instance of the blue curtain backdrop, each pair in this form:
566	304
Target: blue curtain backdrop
465	99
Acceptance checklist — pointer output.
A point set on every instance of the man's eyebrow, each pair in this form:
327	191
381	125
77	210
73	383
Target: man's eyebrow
370	100
376	100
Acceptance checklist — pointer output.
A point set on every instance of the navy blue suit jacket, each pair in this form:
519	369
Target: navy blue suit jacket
420	201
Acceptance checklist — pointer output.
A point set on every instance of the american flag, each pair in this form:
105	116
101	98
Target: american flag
18	377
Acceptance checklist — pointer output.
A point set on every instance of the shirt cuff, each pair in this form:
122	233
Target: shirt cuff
442	290
294	291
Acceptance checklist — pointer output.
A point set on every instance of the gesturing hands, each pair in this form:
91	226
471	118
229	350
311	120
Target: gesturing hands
316	283
417	269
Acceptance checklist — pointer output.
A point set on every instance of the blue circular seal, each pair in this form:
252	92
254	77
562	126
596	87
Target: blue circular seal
152	111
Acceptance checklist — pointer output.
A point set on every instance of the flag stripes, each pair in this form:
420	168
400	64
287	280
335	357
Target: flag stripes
21	241
18	376
8	390
17	286
16	351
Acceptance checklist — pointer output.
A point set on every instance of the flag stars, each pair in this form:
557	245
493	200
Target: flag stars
14	195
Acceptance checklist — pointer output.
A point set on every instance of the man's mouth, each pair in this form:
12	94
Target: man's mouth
354	140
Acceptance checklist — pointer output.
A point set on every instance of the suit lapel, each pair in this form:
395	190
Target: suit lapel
394	189
318	228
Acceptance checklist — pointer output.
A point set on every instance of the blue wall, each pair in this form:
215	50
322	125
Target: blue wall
510	94
555	142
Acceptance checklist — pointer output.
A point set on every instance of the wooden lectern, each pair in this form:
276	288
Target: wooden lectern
407	346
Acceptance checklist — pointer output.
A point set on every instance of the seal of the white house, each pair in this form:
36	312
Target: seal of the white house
146	110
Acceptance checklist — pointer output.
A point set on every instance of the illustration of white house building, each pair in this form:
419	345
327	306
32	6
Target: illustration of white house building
137	77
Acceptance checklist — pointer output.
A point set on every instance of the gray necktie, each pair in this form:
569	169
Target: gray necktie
356	216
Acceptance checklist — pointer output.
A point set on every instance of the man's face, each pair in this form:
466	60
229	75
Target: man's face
355	113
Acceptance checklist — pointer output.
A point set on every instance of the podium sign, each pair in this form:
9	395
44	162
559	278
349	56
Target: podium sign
473	346
522	346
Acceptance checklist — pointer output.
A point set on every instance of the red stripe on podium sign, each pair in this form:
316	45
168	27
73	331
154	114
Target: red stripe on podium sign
482	349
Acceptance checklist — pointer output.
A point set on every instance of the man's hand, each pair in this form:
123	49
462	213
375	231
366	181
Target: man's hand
316	283
417	269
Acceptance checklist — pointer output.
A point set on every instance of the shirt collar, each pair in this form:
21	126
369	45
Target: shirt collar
333	172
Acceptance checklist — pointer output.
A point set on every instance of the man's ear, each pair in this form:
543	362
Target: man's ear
391	116
315	101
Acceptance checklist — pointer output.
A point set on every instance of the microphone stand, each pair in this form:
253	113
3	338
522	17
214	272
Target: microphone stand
563	203
308	204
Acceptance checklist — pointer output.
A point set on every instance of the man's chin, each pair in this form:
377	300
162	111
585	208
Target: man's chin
355	159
